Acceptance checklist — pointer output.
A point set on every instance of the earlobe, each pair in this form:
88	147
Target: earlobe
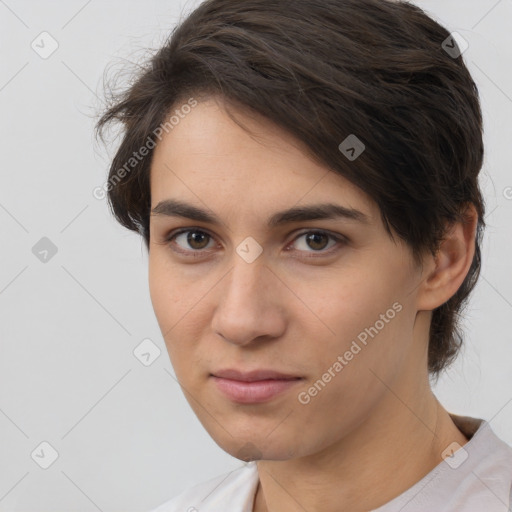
446	272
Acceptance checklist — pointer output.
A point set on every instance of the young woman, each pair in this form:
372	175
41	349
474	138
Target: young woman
305	177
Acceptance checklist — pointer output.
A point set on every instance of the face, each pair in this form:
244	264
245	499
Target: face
326	303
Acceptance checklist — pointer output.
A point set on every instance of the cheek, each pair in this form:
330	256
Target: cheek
170	295
168	304
179	311
363	315
159	291
349	303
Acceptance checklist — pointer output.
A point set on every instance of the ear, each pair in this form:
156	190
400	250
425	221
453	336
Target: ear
444	274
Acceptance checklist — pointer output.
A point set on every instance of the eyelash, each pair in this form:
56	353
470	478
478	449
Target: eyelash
339	239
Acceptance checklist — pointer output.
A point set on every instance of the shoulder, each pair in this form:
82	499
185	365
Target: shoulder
232	491
475	477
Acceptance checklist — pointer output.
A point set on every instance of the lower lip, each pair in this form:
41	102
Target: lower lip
253	392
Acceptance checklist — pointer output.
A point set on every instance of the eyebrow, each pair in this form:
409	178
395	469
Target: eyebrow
324	211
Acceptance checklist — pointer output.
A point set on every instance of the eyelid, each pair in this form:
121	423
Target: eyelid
337	237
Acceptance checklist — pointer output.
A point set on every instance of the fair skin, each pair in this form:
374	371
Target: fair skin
376	428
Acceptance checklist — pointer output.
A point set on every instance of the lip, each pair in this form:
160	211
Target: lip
253	375
255	386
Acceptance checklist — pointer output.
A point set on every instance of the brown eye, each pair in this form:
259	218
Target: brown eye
314	240
189	241
317	241
196	239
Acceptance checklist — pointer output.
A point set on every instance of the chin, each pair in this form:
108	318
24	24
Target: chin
254	446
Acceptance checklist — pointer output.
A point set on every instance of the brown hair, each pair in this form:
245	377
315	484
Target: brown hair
323	70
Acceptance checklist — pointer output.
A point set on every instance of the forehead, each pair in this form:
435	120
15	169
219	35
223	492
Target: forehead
208	158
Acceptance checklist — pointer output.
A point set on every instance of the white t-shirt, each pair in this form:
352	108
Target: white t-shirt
477	478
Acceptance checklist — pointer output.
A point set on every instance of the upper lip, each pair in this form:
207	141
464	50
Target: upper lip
253	375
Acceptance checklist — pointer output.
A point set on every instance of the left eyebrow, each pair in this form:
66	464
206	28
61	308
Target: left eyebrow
324	211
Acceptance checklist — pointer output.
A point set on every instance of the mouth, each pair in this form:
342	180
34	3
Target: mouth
254	386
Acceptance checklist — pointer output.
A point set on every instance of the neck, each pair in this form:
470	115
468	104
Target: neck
385	455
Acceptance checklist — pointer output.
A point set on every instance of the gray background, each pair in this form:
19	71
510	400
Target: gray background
125	436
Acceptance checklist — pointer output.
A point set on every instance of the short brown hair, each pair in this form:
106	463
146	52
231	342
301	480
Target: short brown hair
324	70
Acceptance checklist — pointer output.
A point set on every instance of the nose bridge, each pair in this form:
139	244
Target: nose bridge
246	307
246	282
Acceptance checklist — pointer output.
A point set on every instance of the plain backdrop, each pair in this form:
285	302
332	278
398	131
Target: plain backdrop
74	300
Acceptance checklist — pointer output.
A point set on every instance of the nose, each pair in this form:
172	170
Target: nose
250	305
